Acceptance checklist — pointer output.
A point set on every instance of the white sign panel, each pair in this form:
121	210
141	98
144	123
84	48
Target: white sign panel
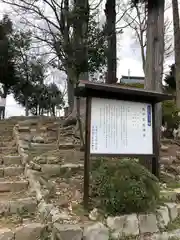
120	127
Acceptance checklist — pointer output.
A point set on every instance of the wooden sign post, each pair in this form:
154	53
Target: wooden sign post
119	123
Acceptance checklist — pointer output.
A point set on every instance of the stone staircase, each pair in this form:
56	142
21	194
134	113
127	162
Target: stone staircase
18	206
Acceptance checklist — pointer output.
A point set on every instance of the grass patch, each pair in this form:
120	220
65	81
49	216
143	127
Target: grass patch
173	184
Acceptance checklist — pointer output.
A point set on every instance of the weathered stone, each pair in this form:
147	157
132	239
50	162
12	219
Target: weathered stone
164	148
8	160
163	216
13	171
25	137
66	145
68	232
6	234
131	226
43	146
178	155
4	207
166	160
29	231
68	156
116	225
38	139
51	169
148	223
23	128
1	172
96	232
13	186
23	206
169	195
44	210
173	212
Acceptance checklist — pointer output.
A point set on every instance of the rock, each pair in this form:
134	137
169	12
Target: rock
178	155
51	169
131	225
8	160
13	171
1	172
166	160
163	216
23	128
164	148
29	231
96	232
173	212
34	166
4	207
38	139
68	232
168	195
116	225
44	210
15	186
6	234
66	145
148	223
93	215
26	205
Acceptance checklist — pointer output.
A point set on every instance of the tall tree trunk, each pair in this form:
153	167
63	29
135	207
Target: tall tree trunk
110	11
154	60
26	108
175	9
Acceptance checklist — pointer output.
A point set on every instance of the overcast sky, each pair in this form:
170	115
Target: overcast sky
129	59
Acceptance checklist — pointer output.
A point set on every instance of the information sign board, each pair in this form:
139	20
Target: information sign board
120	127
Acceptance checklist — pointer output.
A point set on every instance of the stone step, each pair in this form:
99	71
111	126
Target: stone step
11	171
61	170
166	141
5	150
10	159
22	206
68	145
43	146
13	184
30	231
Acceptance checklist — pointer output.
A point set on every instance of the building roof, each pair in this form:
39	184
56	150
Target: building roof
111	91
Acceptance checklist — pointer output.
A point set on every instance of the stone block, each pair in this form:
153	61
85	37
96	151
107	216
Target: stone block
166	160
164	148
1	172
23	129
148	223
6	234
68	232
30	231
66	145
173	212
38	139
96	231
131	225
4	207
43	146
8	186
51	169
162	215
23	206
13	171
8	160
168	195
116	224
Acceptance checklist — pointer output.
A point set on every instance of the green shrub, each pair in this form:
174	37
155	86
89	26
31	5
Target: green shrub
170	113
124	186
